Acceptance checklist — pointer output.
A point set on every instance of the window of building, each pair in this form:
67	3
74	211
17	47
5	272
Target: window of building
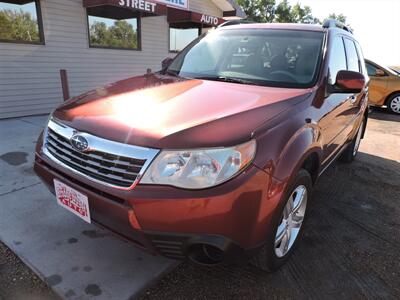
352	56
337	59
179	38
118	33
21	22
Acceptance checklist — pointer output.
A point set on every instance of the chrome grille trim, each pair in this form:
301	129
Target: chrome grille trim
54	148
107	162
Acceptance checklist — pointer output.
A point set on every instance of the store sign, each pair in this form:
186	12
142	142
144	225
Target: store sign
214	21
143	5
183	4
206	19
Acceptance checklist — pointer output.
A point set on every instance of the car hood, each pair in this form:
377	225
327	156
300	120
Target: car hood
168	112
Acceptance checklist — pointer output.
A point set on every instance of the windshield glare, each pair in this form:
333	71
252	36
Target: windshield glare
271	57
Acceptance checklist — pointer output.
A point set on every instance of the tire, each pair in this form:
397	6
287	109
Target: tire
352	149
273	254
393	104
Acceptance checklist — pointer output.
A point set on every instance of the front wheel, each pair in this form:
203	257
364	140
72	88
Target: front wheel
288	229
393	104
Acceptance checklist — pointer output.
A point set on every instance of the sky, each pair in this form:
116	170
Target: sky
376	24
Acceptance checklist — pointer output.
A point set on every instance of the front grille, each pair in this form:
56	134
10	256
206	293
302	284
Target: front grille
106	167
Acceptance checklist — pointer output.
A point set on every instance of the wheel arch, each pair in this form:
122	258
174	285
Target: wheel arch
390	96
304	150
283	161
311	164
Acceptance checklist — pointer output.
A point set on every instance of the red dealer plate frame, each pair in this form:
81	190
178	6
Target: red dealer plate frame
72	200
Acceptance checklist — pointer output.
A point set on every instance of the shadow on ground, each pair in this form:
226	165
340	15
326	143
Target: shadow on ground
380	113
349	250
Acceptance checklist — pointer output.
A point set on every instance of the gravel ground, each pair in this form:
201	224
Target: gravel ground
349	250
18	282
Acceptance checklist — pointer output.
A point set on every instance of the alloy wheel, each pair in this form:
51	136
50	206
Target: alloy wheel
395	104
292	219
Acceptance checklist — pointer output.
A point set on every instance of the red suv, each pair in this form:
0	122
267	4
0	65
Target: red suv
214	158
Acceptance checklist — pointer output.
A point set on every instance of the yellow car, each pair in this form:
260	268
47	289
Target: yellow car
384	87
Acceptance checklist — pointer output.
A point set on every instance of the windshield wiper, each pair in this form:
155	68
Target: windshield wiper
226	79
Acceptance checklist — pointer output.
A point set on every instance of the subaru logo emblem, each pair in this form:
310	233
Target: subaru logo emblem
79	143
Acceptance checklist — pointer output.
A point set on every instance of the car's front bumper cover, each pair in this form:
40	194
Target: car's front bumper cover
168	220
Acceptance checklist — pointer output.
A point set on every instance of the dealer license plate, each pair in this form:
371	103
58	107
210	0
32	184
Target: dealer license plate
72	200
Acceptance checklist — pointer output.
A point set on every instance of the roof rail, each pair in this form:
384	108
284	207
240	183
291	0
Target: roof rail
234	22
330	23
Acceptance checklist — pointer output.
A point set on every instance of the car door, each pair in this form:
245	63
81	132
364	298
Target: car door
378	84
335	109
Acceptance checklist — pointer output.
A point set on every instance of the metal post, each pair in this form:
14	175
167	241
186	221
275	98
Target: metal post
64	84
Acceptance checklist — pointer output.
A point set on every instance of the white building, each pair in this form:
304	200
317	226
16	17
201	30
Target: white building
38	38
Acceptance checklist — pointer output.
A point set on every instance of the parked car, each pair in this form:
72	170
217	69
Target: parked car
384	87
215	157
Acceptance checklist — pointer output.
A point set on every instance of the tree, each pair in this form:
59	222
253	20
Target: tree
98	33
123	35
120	35
18	26
339	17
269	11
258	10
303	14
283	12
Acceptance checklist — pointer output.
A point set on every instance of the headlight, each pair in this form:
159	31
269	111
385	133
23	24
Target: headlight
199	169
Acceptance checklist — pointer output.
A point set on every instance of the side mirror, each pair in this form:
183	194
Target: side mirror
348	82
166	63
379	73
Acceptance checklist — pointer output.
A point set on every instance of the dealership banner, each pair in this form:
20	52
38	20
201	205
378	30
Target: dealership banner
183	4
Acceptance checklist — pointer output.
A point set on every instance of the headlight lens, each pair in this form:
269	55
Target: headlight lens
199	169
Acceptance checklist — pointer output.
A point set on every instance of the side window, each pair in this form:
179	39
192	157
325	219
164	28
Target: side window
352	57
371	70
337	60
179	38
110	31
361	60
21	22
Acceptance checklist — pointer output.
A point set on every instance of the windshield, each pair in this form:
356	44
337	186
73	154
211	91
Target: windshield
270	57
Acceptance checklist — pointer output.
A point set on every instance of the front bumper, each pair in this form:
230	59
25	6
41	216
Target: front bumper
166	220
